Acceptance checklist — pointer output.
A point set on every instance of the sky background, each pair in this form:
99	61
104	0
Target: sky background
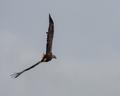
86	43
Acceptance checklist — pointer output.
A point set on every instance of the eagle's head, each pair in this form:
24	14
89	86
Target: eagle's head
53	56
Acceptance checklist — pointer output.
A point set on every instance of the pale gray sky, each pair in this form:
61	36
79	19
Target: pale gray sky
86	44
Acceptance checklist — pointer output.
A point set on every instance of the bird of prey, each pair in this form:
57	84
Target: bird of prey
49	55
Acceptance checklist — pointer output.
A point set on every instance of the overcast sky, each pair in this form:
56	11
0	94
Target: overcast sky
86	43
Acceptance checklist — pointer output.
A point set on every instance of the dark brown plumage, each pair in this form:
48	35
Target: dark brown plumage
48	56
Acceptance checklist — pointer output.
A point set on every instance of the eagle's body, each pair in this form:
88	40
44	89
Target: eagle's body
48	56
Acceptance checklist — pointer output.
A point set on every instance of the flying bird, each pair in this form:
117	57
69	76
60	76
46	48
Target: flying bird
48	56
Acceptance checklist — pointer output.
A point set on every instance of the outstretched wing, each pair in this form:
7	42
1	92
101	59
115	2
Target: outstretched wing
15	75
50	35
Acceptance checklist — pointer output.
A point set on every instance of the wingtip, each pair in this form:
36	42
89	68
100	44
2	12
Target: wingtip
15	75
49	15
50	18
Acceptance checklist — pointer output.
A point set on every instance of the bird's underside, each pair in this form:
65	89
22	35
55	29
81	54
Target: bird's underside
48	56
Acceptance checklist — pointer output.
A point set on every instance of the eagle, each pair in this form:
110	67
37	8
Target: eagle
48	56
